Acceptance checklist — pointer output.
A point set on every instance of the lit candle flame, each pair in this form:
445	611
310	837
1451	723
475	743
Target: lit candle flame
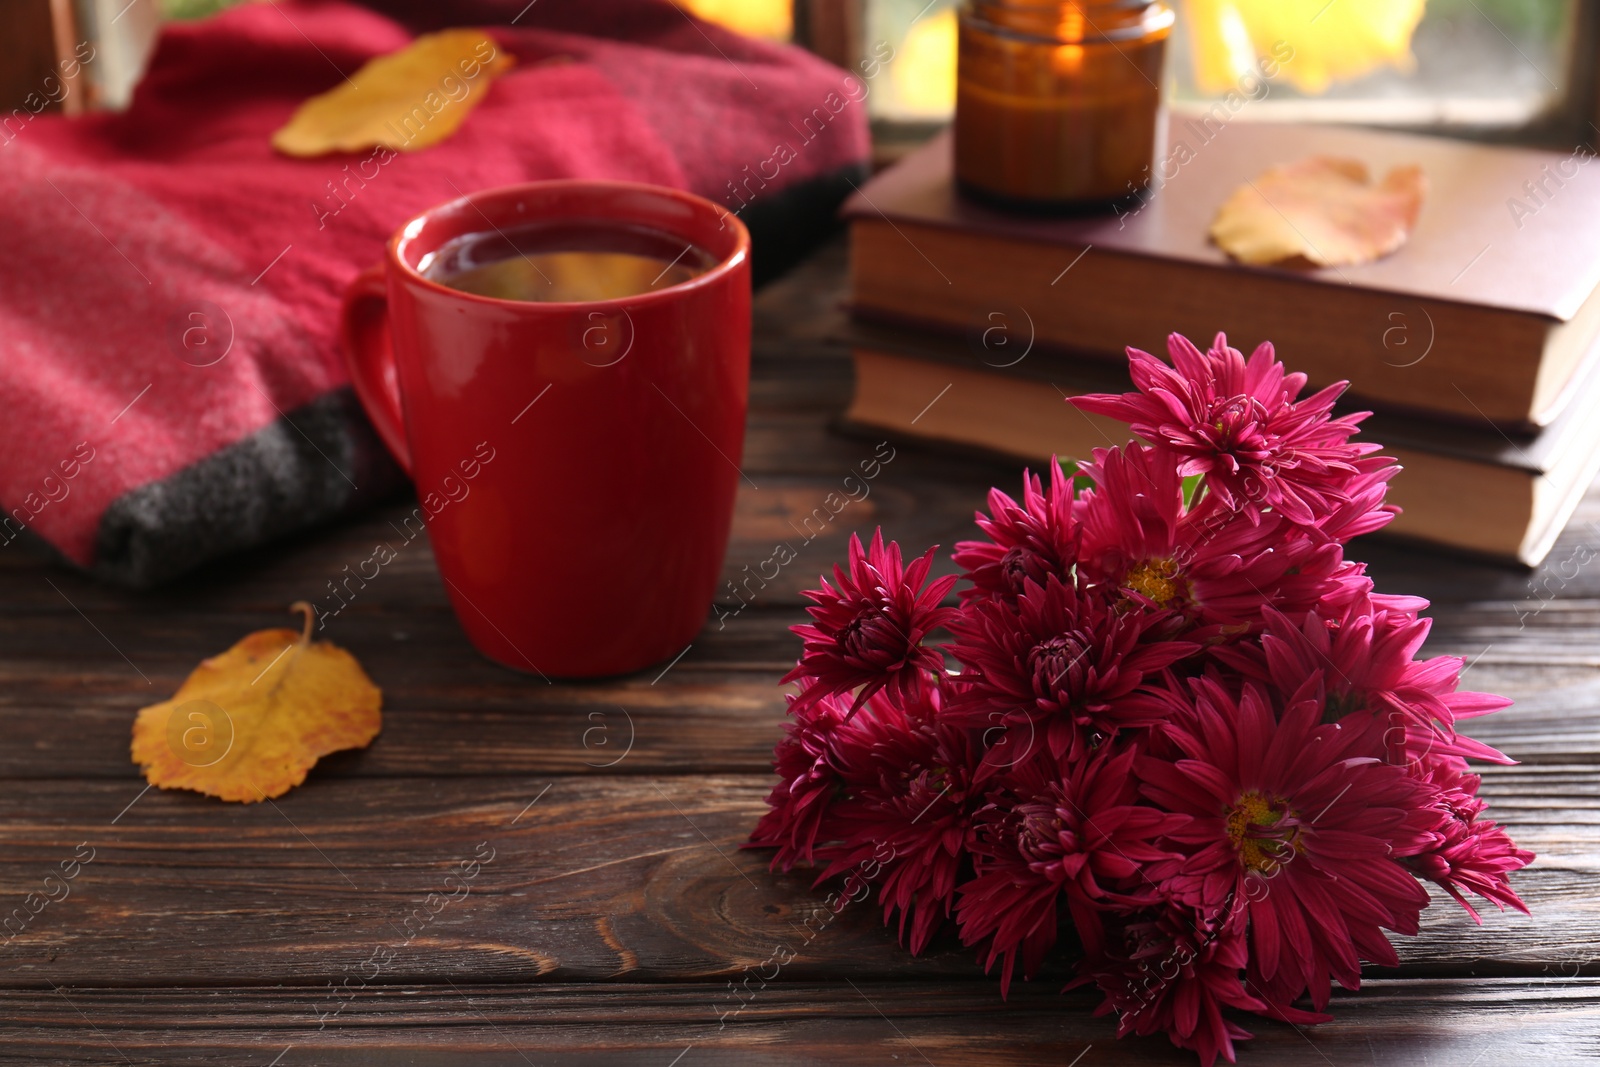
1067	59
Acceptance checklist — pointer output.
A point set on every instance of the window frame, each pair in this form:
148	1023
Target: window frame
834	29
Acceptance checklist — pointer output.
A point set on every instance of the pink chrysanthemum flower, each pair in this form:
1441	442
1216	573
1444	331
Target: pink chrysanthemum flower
808	783
1132	523
1363	659
869	631
1209	566
903	820
1306	822
1467	853
1365	509
1184	727
1054	830
1028	541
1173	970
1239	422
1059	665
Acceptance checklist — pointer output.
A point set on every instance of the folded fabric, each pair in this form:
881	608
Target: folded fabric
170	287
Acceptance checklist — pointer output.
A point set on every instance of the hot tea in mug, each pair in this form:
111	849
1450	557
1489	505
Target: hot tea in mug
594	338
565	262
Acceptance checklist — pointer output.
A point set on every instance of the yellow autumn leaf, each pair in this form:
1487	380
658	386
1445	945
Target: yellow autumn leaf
1326	42
1322	209
406	100
249	724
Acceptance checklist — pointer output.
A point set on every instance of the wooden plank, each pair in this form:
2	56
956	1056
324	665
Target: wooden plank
78	659
1434	1022
68	698
447	712
594	878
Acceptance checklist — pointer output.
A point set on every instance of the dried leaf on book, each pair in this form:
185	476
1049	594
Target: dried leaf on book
406	100
1324	210
248	724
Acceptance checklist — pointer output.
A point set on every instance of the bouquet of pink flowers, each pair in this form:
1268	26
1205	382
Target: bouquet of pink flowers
1183	723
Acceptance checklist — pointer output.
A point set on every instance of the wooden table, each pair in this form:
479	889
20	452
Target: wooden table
612	917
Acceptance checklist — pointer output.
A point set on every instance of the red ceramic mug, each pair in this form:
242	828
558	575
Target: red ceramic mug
576	462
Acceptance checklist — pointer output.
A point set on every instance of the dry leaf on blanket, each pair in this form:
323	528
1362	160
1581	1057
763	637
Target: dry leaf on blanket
406	100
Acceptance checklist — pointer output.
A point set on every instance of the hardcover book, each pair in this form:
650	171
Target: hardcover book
1484	315
1474	490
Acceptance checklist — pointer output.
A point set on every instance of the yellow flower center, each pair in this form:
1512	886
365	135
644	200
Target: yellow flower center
1156	580
1253	828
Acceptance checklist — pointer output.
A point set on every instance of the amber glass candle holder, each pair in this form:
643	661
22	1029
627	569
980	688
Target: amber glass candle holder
1058	105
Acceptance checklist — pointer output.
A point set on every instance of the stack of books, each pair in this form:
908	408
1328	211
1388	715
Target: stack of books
1477	344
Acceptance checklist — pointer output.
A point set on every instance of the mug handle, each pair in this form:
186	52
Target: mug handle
369	357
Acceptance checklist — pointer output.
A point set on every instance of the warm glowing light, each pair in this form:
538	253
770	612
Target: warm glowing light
771	19
1330	42
1070	28
924	72
1067	60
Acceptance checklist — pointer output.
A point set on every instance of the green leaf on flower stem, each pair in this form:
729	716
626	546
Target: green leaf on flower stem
1191	488
1080	481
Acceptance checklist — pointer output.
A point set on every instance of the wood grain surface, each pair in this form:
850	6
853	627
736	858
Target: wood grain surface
611	916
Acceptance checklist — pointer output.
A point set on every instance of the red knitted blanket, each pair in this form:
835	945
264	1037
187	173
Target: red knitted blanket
169	285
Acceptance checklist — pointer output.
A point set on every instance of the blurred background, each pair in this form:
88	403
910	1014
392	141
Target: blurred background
1505	70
